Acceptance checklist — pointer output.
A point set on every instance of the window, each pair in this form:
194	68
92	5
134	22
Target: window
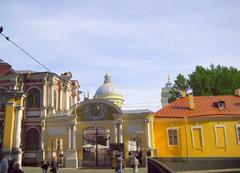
173	136
197	137
32	140
33	98
220	135
238	133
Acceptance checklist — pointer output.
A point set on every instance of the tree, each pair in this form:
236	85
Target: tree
215	80
180	84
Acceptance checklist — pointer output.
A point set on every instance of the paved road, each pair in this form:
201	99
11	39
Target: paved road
72	170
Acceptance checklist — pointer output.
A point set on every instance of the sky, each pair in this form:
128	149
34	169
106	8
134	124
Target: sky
139	42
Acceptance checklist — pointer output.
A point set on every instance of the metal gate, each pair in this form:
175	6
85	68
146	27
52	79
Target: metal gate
96	147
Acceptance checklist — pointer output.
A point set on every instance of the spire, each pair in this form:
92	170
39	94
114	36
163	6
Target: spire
168	77
107	78
168	84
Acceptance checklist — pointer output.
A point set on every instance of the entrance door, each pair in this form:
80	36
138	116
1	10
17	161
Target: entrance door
96	146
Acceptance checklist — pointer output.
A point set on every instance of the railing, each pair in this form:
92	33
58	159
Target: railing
155	166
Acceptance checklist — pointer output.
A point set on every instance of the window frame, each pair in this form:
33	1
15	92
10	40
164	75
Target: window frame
216	135
32	107
178	136
237	133
202	136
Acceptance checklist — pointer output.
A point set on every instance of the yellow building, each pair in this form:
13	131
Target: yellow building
200	126
88	132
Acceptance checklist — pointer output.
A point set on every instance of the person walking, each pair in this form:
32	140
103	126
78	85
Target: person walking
119	164
16	168
3	164
45	167
135	164
54	167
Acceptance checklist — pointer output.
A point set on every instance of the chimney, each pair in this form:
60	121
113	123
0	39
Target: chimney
183	93
237	92
191	101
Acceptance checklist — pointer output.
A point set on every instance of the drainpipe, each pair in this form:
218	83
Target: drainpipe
186	131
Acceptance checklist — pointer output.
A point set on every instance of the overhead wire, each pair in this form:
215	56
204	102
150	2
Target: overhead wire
19	47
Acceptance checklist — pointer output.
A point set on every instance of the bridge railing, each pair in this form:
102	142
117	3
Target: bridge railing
154	166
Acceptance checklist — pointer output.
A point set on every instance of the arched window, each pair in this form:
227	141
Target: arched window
32	140
55	99
33	98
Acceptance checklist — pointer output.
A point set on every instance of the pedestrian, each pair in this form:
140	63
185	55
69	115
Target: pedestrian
119	164
54	167
16	168
135	164
3	164
45	167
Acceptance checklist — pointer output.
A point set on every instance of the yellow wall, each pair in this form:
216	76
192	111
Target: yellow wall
225	146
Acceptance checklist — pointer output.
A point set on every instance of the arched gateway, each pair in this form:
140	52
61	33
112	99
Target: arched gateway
92	132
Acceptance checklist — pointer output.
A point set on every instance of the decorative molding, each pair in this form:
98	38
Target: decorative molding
178	136
201	134
216	135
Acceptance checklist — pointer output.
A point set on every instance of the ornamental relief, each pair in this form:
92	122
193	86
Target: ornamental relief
96	111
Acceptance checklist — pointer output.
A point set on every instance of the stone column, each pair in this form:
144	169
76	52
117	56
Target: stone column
70	137
120	132
60	107
51	98
67	98
17	146
115	132
42	139
74	136
148	137
44	100
71	160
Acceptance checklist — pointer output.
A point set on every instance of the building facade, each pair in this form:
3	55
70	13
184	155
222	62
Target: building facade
200	126
43	94
43	119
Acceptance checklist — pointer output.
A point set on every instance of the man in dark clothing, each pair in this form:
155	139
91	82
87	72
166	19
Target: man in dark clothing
16	168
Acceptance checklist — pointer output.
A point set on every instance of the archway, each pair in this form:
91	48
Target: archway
135	149
31	147
96	146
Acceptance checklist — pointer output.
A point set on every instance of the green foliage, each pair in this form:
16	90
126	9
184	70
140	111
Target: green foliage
180	84
214	80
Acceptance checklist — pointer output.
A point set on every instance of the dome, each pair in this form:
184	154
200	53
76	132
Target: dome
108	92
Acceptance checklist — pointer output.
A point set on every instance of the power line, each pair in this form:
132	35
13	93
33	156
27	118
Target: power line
19	47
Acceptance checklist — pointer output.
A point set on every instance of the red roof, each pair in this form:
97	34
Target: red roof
204	106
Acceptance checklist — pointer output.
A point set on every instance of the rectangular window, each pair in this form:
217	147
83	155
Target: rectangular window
220	135
197	137
173	136
238	133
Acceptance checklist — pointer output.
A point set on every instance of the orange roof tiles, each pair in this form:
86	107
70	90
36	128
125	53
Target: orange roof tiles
204	106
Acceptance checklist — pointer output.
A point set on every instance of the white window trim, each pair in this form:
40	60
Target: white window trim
216	136
202	139
178	138
237	126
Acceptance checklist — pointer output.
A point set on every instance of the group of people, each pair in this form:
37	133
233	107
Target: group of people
9	167
53	169
119	164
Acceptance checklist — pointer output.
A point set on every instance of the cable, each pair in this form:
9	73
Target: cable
8	39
